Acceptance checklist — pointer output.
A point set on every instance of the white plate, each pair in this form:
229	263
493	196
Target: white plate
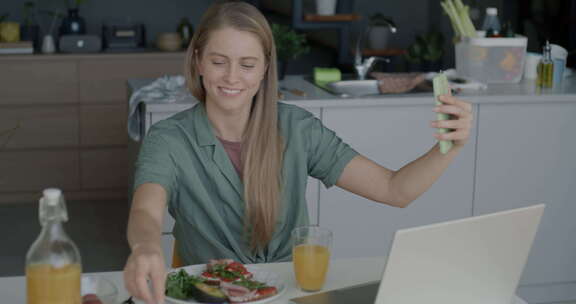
270	279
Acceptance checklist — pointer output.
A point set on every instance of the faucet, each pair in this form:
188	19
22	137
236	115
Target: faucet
363	66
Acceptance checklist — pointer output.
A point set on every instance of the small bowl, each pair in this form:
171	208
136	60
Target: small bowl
169	42
106	291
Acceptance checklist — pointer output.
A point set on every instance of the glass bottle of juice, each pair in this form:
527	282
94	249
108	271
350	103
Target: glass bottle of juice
53	266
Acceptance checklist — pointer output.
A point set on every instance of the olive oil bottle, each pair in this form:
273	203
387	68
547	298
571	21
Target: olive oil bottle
545	68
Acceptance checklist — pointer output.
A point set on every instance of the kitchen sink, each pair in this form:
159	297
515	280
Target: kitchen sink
351	87
354	87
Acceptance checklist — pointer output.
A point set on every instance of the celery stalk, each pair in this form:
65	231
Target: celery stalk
464	13
454	12
459	17
452	17
441	87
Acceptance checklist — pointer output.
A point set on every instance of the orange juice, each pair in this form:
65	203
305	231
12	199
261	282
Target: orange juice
310	265
46	284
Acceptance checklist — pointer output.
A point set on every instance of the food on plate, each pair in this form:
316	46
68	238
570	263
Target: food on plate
225	270
91	299
222	281
206	293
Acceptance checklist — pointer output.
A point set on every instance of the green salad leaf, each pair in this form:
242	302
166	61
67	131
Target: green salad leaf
178	284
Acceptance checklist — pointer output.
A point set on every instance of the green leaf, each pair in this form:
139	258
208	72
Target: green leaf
289	44
178	284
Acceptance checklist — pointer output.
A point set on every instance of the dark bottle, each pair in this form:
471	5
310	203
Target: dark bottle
186	30
73	24
491	23
492	33
508	30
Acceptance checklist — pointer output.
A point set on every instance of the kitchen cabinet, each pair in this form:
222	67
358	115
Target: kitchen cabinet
40	126
104	168
72	117
103	125
526	156
392	137
53	80
26	171
103	80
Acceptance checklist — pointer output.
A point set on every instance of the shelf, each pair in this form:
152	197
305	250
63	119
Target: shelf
332	18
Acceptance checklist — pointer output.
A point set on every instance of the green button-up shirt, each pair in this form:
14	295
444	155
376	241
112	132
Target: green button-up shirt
205	193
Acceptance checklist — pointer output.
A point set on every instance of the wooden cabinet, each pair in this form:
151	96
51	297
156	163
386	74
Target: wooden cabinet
104	168
72	114
37	81
32	171
40	126
392	137
104	80
526	156
103	125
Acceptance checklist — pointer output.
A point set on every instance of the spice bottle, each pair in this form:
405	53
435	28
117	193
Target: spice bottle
545	68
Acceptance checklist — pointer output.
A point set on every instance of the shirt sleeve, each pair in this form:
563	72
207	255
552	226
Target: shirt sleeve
155	163
328	155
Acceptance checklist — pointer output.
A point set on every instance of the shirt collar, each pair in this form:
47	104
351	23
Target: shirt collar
204	133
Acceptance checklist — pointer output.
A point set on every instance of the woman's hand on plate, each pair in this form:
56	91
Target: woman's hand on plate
146	263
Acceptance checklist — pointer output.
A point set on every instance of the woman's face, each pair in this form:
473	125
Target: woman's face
232	66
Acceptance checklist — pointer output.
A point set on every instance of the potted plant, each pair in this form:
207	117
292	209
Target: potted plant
29	30
73	23
9	31
425	52
2	17
379	31
289	46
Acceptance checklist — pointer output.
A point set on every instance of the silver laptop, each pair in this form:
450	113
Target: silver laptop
476	260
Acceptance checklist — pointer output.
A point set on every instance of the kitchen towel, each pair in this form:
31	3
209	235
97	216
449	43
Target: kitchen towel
166	89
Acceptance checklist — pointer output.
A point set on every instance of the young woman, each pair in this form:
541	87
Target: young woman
233	169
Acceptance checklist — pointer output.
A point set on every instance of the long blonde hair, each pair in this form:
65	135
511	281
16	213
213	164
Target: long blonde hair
262	146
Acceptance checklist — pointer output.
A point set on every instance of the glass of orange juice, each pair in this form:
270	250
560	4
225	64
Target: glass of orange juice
311	256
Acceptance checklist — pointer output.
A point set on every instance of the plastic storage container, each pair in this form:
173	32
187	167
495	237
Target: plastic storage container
491	60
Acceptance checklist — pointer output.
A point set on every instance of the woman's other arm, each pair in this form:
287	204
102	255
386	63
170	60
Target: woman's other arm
399	188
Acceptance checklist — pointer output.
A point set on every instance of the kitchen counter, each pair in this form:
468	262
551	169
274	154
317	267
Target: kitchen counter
524	92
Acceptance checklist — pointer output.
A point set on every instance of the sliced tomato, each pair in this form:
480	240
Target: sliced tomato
228	279
237	267
208	274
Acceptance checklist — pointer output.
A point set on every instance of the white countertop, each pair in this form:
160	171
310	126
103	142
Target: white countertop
342	273
524	92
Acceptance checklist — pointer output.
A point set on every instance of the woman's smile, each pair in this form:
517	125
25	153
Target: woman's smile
230	92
